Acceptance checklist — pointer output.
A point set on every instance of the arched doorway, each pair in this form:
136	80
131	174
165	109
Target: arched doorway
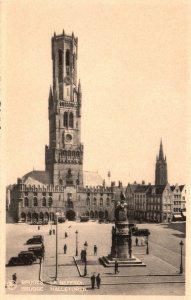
46	216
91	214
23	217
35	217
41	216
101	215
70	215
29	217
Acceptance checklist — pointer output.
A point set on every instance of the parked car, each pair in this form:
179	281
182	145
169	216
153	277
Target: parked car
40	237
37	251
141	232
24	258
34	240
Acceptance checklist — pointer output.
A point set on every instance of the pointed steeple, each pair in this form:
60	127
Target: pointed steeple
161	155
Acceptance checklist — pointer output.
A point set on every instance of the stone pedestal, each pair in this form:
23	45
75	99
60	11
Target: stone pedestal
121	248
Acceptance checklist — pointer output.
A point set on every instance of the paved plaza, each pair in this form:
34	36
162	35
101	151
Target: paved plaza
160	276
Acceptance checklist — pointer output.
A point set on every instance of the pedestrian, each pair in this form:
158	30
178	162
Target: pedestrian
95	250
66	235
14	277
137	241
116	267
50	232
38	227
98	280
93	281
65	248
53	231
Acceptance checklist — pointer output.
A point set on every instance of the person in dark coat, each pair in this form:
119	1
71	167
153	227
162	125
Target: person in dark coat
53	231
95	250
93	281
137	241
66	235
14	277
116	267
98	280
65	248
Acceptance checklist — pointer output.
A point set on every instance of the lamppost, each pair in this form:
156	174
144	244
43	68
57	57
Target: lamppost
76	242
147	242
130	243
56	275
85	258
181	266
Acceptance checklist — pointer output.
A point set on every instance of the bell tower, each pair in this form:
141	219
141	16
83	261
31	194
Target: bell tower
161	177
64	155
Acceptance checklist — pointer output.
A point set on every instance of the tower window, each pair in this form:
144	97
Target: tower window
26	201
60	92
67	57
71	120
60	60
43	201
50	201
65	119
35	202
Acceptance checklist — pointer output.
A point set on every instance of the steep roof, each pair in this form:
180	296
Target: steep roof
141	188
181	187
37	177
158	189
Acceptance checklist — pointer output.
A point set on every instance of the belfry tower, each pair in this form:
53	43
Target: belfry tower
64	155
161	177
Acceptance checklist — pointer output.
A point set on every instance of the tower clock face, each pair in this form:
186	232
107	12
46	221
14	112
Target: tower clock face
68	138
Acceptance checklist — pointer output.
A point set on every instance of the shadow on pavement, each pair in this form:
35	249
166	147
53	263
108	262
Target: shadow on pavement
175	226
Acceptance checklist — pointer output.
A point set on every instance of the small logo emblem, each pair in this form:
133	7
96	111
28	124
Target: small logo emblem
11	285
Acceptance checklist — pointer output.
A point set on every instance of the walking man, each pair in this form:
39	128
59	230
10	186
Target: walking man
116	267
98	280
14	277
66	235
65	248
93	281
95	250
137	241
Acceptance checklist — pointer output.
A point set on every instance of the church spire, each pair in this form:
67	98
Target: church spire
161	155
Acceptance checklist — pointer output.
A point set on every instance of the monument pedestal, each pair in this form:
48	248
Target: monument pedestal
108	261
121	249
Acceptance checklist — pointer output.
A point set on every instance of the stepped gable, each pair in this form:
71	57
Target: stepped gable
37	177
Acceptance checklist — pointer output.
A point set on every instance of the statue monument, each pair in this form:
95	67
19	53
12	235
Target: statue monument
121	248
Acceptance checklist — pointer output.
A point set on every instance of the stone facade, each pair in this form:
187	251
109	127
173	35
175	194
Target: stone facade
64	154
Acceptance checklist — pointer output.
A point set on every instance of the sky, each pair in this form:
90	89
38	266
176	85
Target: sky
133	68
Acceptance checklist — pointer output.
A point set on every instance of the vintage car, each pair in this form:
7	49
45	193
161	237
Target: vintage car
141	232
37	251
24	258
34	240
